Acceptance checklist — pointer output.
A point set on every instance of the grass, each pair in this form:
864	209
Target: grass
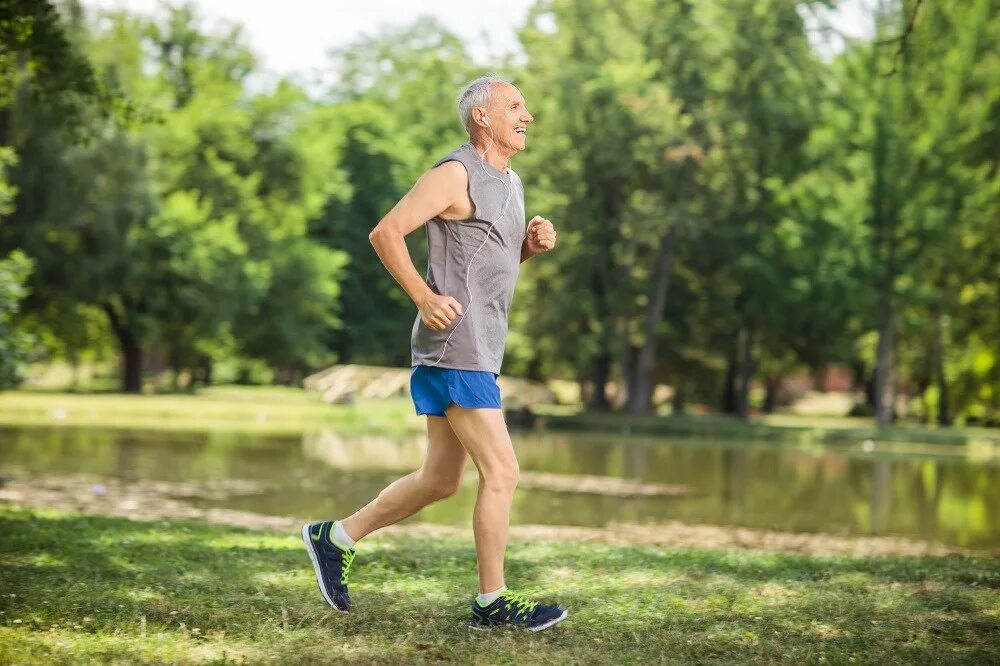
264	410
778	427
286	410
95	589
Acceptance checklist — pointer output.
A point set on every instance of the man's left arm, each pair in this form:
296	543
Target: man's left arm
540	237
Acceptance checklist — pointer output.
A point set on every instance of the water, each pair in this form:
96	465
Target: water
946	499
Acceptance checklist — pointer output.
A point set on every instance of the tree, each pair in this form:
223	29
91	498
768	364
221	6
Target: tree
177	229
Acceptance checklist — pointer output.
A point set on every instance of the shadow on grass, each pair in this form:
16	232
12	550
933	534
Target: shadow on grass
112	589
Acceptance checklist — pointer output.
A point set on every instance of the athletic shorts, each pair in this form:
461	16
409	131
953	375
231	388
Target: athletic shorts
434	389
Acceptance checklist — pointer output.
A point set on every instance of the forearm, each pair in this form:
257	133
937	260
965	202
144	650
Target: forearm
392	251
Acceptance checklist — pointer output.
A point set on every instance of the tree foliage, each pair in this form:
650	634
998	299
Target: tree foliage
735	206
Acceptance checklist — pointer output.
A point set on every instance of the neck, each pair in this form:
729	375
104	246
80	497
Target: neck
495	155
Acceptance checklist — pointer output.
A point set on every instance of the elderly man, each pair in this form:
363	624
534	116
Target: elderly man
473	205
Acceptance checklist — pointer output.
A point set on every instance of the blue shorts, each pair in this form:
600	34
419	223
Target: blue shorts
434	389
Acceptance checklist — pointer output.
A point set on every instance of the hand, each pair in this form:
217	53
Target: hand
437	311
540	236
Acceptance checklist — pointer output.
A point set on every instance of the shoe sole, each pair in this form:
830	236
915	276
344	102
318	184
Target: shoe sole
554	621
307	540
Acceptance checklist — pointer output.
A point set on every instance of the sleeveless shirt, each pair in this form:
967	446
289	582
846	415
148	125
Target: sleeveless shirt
477	339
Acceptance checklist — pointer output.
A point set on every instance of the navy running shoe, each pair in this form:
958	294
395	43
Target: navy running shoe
515	610
331	562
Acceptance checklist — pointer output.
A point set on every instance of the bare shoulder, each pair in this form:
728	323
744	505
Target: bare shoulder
449	179
452	177
453	173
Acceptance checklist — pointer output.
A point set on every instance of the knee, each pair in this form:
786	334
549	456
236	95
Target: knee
502	478
442	487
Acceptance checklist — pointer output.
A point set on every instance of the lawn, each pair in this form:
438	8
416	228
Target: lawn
81	589
264	410
284	410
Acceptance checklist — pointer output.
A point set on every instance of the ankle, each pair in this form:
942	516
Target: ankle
486	598
341	536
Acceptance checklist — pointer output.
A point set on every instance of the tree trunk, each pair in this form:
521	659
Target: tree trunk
678	399
640	397
602	287
176	368
884	371
773	384
534	371
943	417
74	363
818	375
209	367
629	361
746	373
602	372
883	220
601	368
5	133
870	392
729	383
131	351
859	376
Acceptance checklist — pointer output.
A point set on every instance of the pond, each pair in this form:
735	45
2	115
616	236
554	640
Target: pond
568	479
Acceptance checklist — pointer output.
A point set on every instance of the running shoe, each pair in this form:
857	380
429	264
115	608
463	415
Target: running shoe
331	562
515	610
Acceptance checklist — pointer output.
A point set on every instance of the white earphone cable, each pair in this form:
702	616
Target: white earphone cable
468	269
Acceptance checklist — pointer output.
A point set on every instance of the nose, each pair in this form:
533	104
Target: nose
528	117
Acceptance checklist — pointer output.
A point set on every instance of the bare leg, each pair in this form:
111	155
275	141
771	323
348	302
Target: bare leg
484	434
439	477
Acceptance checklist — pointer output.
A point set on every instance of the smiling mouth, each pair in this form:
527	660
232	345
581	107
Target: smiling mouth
521	130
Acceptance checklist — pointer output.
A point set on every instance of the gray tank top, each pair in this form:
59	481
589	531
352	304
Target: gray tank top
477	339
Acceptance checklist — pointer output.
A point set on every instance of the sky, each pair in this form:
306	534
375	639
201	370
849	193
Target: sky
294	36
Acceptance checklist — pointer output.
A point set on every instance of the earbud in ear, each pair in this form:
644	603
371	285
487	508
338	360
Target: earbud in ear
485	121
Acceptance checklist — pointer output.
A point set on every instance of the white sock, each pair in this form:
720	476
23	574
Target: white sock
488	598
340	537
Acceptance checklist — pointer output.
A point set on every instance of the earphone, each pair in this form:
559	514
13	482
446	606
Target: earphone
468	268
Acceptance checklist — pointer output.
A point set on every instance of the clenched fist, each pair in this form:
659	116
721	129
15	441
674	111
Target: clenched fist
437	311
540	236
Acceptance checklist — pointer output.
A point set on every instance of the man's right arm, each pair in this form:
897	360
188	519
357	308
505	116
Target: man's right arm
434	193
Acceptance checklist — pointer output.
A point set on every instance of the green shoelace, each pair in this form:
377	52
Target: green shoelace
347	559
524	605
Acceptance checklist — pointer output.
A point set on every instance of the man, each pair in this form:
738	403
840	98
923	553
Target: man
473	206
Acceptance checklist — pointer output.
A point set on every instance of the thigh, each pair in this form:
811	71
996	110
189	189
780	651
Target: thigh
483	433
446	456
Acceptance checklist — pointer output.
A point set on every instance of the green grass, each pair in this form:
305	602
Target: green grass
265	410
92	589
285	410
779	427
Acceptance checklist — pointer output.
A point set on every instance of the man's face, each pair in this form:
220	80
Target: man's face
508	117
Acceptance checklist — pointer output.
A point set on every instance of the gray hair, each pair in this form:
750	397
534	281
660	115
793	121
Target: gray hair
477	93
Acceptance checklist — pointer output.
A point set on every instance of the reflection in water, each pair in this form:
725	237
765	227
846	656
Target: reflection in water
735	488
929	484
404	455
881	503
601	479
365	451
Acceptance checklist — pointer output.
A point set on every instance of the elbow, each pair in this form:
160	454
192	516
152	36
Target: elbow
374	236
